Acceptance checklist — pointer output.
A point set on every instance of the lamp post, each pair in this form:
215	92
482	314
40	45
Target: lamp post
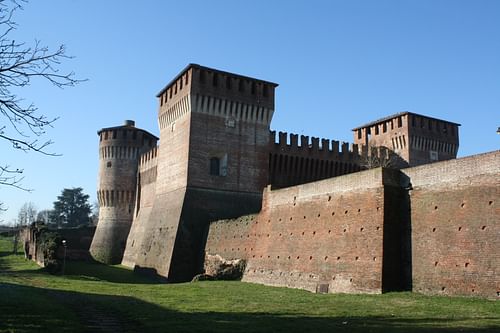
64	258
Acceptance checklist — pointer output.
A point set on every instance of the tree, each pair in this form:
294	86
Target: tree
27	214
72	208
23	126
94	217
44	216
380	156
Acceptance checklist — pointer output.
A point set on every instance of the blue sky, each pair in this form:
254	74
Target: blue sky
339	64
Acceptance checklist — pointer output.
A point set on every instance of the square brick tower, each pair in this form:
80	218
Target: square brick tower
417	139
212	163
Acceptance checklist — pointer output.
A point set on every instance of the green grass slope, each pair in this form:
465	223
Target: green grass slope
95	297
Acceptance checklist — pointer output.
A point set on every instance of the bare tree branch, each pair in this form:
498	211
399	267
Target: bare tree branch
11	177
20	64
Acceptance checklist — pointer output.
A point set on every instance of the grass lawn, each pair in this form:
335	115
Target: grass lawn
94	297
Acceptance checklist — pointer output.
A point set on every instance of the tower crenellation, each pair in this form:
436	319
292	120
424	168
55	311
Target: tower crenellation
417	139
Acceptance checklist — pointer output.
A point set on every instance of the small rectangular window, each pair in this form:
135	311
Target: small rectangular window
433	155
359	133
400	122
215	166
218	166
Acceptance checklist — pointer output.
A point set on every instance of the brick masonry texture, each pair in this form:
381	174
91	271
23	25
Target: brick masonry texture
203	114
303	214
455	218
323	234
119	151
367	232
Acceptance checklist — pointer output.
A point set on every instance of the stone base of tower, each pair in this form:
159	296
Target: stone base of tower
151	240
109	240
172	245
139	227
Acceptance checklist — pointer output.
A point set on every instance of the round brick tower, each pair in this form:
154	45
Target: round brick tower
119	152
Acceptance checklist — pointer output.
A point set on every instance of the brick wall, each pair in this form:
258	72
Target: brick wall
455	219
233	238
156	225
327	234
432	229
146	193
244	145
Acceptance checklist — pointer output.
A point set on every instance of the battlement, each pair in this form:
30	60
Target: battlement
148	166
218	83
148	158
418	139
127	133
313	145
293	162
288	142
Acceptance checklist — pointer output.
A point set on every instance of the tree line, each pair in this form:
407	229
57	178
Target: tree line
71	209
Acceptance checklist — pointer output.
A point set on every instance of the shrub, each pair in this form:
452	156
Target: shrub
49	243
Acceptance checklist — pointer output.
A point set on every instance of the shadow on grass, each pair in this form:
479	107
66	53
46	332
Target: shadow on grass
93	270
79	270
96	271
34	309
6	262
5	253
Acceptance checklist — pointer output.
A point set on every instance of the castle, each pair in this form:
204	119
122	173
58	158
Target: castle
312	214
